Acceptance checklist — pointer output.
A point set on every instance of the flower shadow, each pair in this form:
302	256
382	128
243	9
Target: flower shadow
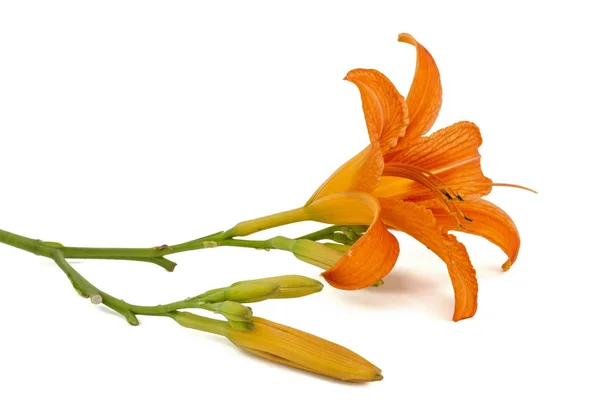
418	291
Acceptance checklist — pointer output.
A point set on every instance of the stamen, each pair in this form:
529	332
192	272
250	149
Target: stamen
515	186
488	184
433	183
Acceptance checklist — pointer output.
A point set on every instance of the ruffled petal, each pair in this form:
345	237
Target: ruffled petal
446	149
450	154
373	256
385	111
424	99
489	221
420	223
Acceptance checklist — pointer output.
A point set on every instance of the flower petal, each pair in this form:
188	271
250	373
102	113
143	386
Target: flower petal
424	99
451	154
361	174
489	221
419	222
385	111
373	256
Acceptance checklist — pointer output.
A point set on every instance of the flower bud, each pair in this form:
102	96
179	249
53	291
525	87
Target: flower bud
292	347
251	292
290	286
233	311
315	253
288	346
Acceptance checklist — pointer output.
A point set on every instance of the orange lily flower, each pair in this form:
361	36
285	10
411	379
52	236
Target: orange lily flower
424	186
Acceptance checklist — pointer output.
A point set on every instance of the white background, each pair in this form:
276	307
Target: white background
138	123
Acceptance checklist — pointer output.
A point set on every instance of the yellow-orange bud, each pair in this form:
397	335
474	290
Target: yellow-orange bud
298	349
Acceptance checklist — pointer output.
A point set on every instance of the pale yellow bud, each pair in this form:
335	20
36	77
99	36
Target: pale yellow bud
247	293
317	254
233	311
251	292
290	286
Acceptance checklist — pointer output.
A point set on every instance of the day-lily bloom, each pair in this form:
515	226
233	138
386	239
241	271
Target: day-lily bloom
424	186
292	347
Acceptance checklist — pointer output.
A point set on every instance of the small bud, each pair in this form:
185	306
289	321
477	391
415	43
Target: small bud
349	233
233	311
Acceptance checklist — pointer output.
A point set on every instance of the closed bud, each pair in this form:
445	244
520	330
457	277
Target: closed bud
286	345
251	292
290	286
315	253
292	347
233	311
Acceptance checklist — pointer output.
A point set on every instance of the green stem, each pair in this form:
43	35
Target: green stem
24	243
86	289
156	255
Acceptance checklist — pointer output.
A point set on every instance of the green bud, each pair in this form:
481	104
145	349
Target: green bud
194	321
377	283
316	253
290	286
250	292
233	311
349	233
341	238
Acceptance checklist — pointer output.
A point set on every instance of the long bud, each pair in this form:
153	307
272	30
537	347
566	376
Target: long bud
292	347
290	286
285	345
